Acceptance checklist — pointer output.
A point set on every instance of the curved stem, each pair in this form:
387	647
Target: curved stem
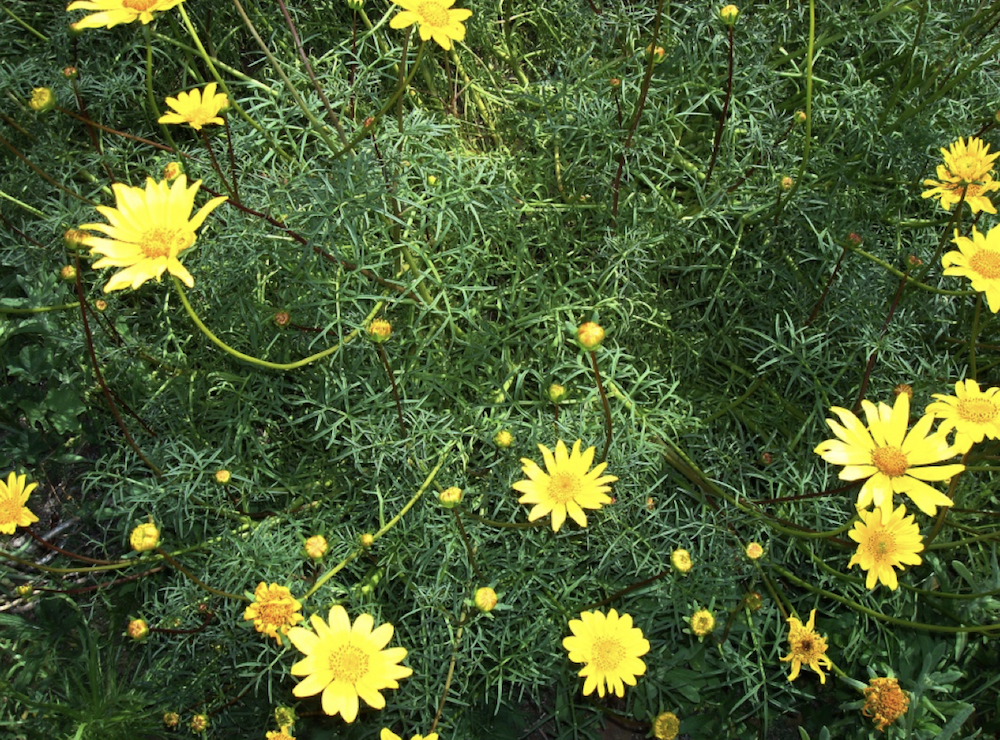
39	309
149	87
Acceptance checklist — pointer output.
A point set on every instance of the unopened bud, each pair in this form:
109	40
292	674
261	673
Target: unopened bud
24	590
316	546
144	537
282	319
379	331
854	238
450	497
199	723
355	4
787	183
755	551
590	335
138	630
503	439
486	599
557	393
284	717
614	82
70	73
42	100
658	53
171	719
68	273
800	116
222	477
73	238
432	180
754	601
914	261
100	304
367	540
681	560
728	14
172	170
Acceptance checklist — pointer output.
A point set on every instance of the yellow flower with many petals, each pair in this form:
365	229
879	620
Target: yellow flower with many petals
273	610
885	702
807	648
281	734
112	12
702	623
965	176
978	259
390	735
891	460
13	495
567	487
666	726
148	230
434	18
196	108
345	663
974	414
609	647
886	539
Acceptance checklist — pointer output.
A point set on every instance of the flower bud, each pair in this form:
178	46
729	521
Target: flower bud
503	439
42	100
754	551
100	304
728	14
24	590
68	273
284	717
787	183
753	600
70	73
73	239
144	537
379	331
590	335
222	477
316	546
355	4
557	393
172	171
486	599
282	319
800	116
138	630
171	719
450	497
658	53
681	560
367	540
199	723
854	238
702	623
615	82
914	261
432	180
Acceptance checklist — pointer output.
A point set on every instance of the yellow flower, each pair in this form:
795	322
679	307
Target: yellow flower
965	173
346	663
390	735
728	14
666	726
485	599
222	477
273	610
885	539
567	488
197	108
807	648
702	623
281	734
148	229
681	560
112	12
435	18
971	412
885	702
978	259
891	460
144	537
13	495
754	551
42	100
609	647
379	331
503	439
316	546
199	723
590	335
138	630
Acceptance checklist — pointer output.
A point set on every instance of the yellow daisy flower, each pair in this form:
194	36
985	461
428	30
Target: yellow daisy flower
702	623
965	172
666	726
974	414
435	18
978	259
885	702
13	495
807	648
681	560
281	734
390	735
197	108
148	229
609	647
112	12
345	662
891	460
273	610
567	488
885	540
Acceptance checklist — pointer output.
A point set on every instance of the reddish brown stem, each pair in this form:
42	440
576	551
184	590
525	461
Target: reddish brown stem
725	110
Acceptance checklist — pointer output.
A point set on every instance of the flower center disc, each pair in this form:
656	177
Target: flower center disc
157	243
890	460
433	14
10	509
966	166
987	263
564	488
608	654
139	5
348	663
879	544
977	410
276	612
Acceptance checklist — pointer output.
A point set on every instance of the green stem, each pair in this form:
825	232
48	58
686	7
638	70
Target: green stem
220	64
149	88
24	24
974	336
265	363
39	309
30	209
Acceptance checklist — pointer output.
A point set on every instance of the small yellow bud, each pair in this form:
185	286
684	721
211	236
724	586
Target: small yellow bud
367	540
282	319
316	546
172	171
138	630
755	551
787	183
557	393
73	238
702	623
199	723
681	560
486	599
800	116
658	53
450	497
222	477
285	717
70	73
503	439
42	100
355	4
615	82
432	180
171	719
144	537
666	726
754	601
68	273
379	331
728	14
100	304
24	590
590	335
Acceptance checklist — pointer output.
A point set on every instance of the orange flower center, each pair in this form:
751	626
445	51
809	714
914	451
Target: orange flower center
608	654
140	6
158	242
987	263
433	14
275	613
880	543
348	663
890	461
10	510
977	410
564	487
